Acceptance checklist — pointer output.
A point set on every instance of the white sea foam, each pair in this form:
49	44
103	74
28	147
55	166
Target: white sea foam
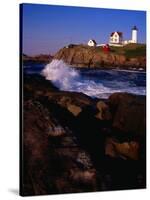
60	74
141	70
69	79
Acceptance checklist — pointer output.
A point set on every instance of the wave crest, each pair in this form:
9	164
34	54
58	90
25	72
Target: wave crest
93	83
60	74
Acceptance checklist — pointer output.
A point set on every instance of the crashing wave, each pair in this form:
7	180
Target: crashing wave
101	84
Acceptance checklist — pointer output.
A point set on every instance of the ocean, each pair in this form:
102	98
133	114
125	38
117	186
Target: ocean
100	83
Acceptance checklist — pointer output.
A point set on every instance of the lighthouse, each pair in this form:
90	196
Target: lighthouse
134	34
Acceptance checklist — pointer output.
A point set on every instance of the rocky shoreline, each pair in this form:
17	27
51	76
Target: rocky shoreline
83	56
73	143
130	57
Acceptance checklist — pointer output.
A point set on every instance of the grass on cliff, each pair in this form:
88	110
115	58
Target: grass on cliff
131	50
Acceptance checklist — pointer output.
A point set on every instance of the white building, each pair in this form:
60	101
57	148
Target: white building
134	38
92	43
116	38
134	35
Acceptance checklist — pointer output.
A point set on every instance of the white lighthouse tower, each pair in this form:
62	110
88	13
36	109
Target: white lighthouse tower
134	34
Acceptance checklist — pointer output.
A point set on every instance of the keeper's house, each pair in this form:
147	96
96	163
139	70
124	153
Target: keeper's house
116	38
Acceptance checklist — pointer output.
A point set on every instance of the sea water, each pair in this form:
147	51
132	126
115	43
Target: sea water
99	83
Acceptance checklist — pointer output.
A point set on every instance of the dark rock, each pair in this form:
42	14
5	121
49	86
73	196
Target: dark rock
125	150
104	112
51	151
129	113
74	102
35	150
75	110
71	143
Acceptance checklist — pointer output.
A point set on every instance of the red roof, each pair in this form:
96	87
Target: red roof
119	33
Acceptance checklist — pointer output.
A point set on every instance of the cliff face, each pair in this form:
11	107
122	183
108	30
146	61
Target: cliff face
85	56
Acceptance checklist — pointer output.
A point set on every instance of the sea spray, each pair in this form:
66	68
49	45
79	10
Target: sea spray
60	74
94	83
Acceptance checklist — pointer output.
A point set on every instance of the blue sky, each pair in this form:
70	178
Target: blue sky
48	28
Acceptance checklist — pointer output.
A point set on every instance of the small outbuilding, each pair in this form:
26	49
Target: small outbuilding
92	43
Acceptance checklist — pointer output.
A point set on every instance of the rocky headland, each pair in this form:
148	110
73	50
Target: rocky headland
73	143
131	56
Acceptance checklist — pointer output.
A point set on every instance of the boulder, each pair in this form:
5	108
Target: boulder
72	101
86	177
129	113
125	150
104	112
51	150
75	110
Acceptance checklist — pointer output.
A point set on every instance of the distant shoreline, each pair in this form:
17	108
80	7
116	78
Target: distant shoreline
41	58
